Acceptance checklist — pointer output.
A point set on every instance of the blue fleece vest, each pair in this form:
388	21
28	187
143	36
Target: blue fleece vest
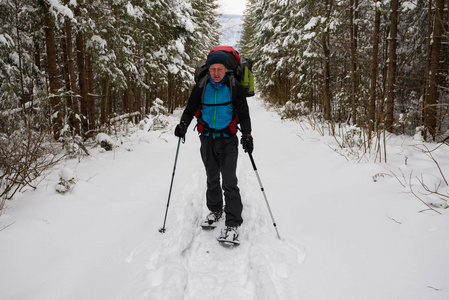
217	116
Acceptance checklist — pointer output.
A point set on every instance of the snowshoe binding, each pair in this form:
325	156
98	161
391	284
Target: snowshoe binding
211	220
229	236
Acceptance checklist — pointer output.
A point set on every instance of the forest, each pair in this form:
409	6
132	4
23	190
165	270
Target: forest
70	69
377	65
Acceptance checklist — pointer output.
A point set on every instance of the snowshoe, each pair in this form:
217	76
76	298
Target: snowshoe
211	220
229	235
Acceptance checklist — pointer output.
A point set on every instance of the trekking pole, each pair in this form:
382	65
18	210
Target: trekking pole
162	230
263	192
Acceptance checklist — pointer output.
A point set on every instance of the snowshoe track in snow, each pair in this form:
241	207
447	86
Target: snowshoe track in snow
191	264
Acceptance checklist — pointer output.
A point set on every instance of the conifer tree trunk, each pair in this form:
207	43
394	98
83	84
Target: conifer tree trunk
374	62
127	106
71	67
90	95
82	80
65	68
19	52
392	65
137	102
111	102
430	110
104	102
427	74
170	96
52	74
326	72
37	54
354	80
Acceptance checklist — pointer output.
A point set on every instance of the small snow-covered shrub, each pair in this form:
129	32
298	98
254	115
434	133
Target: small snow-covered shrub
143	123
294	110
419	133
66	180
105	141
352	138
159	113
74	146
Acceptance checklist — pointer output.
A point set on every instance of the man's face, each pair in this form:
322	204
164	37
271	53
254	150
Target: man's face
217	72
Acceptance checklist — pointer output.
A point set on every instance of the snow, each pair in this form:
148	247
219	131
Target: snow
58	8
231	30
179	44
102	43
102	137
309	36
6	40
312	23
136	12
349	230
408	5
66	174
236	7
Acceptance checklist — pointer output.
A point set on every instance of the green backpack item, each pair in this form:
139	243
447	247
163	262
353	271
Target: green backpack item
246	77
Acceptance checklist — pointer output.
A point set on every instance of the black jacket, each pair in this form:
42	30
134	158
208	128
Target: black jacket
239	103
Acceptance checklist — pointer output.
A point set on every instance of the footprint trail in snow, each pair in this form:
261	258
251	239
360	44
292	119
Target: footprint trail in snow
191	264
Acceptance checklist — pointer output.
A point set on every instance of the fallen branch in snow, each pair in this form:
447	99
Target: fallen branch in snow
428	152
91	177
300	137
336	151
405	181
419	198
393	220
441	196
7	226
8	112
380	175
124	116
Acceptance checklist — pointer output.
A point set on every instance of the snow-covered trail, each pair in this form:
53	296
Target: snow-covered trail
343	236
190	264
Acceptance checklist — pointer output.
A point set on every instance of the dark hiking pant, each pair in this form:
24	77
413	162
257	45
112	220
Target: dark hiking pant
220	157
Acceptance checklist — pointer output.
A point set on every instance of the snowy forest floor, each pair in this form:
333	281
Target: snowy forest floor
343	234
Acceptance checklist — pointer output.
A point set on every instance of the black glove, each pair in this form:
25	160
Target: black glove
247	143
181	129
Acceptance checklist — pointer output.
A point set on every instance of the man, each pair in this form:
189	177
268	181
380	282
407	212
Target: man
216	104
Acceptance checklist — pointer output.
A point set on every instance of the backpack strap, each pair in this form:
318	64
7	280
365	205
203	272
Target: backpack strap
203	82
202	126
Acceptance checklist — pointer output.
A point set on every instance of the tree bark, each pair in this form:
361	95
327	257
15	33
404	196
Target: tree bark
65	68
127	107
391	81
374	62
74	121
104	102
170	96
56	118
430	110
427	74
326	57
354	80
19	52
90	96
81	76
